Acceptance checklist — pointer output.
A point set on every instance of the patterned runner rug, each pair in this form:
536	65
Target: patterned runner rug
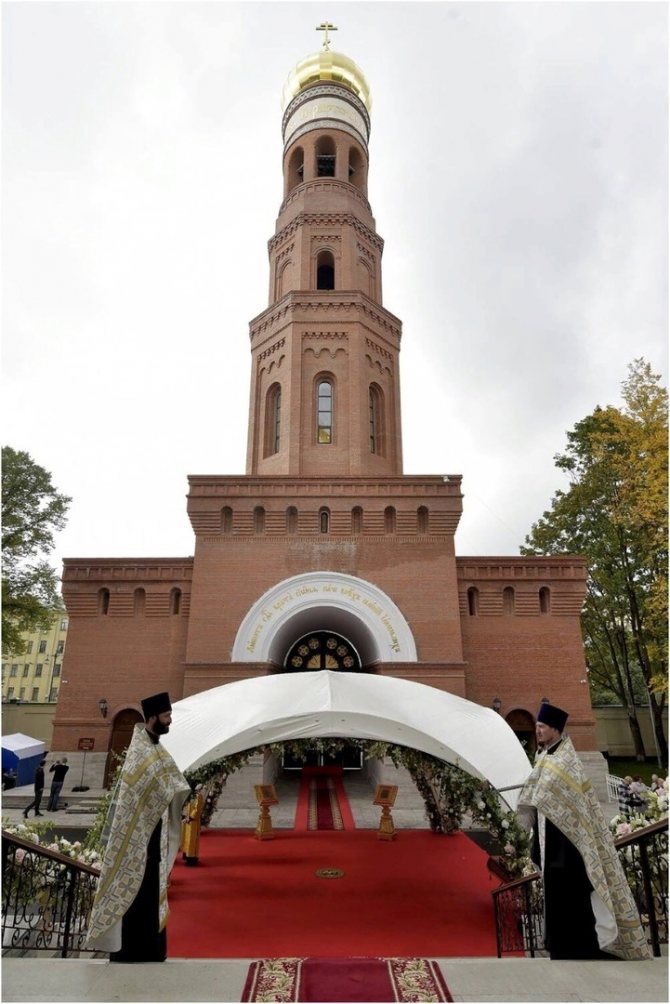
352	980
324	807
322	801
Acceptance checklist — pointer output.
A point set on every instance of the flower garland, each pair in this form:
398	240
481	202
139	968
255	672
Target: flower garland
448	791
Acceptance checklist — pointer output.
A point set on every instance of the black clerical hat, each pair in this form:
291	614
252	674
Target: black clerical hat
550	715
156	705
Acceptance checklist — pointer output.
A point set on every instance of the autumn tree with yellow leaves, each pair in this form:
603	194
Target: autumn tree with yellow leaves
615	513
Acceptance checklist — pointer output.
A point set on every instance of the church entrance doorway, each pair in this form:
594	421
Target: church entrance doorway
122	733
323	650
523	725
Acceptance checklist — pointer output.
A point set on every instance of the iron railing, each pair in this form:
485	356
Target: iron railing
644	856
46	899
519	905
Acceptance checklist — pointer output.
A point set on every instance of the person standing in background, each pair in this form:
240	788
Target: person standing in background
59	769
39	788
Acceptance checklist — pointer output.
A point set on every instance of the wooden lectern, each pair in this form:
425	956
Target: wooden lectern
265	796
385	796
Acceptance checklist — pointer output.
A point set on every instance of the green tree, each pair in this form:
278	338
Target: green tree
615	513
32	510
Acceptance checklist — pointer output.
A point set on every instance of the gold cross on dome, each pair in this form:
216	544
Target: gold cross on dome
325	27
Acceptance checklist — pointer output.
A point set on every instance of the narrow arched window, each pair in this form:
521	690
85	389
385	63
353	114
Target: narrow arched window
356	168
226	519
357	519
389	519
545	600
325	270
325	157
324	520
291	519
103	602
422	519
508	601
175	601
375	418
259	519
282	276
139	600
473	601
272	420
324	409
296	169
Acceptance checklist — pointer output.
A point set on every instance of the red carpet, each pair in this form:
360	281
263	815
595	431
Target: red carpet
420	895
352	980
322	801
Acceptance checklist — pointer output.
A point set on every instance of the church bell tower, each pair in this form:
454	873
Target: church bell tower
324	541
325	392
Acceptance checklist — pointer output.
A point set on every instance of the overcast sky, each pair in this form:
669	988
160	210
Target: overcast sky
518	177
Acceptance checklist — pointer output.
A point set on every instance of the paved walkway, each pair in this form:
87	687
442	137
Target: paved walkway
185	980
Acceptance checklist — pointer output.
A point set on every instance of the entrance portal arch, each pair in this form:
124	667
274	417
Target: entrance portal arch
325	601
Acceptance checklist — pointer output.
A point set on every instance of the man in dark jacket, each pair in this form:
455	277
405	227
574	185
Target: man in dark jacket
59	769
39	788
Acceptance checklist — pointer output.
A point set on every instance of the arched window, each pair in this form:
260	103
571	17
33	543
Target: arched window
175	601
389	519
259	519
366	278
226	519
324	520
282	279
545	600
325	270
508	601
422	519
473	601
356	168
103	602
272	420
139	599
291	519
324	412
357	519
325	157
296	169
375	413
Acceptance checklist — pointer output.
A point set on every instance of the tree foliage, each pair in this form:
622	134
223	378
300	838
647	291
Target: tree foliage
32	510
615	513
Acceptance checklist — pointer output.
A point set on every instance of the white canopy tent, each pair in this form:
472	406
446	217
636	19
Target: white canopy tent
250	713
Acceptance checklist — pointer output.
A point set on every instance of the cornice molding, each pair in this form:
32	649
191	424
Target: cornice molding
305	218
301	302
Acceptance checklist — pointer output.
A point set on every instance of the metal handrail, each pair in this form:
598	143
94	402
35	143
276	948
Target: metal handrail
46	898
519	903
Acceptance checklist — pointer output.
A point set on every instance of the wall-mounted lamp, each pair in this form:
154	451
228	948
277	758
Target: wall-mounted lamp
102	704
496	704
545	700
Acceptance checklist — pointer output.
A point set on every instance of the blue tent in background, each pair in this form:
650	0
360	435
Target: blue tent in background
22	755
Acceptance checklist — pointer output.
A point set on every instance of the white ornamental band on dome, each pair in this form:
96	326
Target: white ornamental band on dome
326	107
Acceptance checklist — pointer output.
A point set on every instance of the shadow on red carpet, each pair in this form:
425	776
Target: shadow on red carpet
420	895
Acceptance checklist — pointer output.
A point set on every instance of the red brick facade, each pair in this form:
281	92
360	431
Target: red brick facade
324	533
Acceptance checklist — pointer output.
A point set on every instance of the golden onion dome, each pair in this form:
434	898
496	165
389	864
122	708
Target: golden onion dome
326	65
